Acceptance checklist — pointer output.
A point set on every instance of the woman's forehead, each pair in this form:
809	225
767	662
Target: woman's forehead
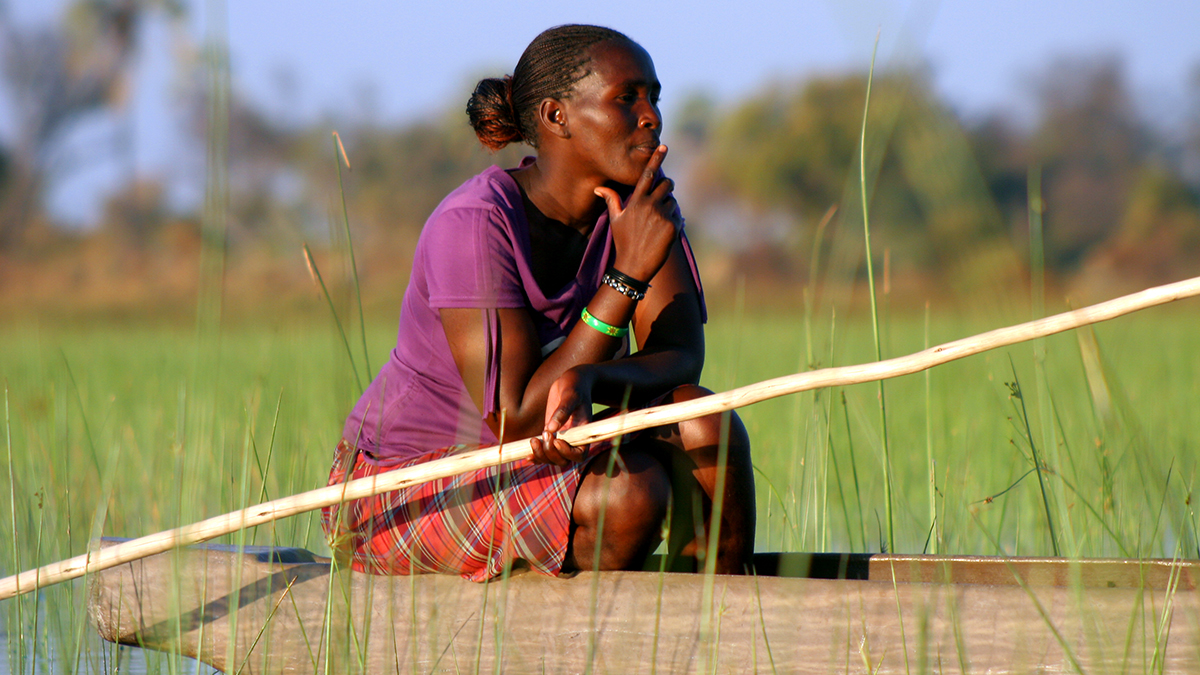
620	61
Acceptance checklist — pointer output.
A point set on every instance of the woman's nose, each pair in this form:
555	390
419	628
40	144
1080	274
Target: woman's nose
650	119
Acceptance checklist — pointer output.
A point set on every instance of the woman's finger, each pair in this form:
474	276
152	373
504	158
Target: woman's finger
567	451
539	451
671	206
560	407
579	414
544	451
664	189
646	183
611	199
559	419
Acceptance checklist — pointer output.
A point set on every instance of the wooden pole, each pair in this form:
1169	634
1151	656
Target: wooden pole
637	420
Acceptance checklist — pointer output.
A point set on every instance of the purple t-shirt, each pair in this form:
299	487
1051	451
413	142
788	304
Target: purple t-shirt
473	253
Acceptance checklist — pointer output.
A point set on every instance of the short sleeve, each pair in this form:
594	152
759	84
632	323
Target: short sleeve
690	257
471	261
695	270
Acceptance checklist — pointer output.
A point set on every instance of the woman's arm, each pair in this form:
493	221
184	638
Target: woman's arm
645	234
666	323
525	377
670	336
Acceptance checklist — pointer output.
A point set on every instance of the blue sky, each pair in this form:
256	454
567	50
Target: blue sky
304	60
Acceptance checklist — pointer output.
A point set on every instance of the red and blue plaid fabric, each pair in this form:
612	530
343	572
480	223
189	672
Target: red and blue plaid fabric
473	525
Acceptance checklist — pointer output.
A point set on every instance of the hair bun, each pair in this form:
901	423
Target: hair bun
491	112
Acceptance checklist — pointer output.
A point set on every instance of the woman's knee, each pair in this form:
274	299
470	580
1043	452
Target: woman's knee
633	502
710	431
687	392
638	485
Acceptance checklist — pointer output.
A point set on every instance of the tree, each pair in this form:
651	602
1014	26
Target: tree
1090	143
797	150
57	76
1158	239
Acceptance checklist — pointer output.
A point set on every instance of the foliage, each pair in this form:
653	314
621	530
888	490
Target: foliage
1091	144
400	175
948	195
57	77
127	430
795	149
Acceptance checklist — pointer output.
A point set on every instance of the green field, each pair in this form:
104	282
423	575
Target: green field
124	430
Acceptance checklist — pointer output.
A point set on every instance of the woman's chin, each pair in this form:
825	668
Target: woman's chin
631	173
624	183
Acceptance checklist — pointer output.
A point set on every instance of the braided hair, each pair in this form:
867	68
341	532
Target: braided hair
504	110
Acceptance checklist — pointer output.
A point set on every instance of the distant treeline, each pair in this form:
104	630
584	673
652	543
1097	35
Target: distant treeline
954	198
770	184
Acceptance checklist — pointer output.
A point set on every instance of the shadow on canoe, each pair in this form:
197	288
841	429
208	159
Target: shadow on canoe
281	610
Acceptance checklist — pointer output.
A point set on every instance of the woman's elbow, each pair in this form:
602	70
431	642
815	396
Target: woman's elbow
510	427
691	364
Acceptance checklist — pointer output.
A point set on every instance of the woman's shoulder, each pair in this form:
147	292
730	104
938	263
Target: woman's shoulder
483	217
469	251
490	190
486	209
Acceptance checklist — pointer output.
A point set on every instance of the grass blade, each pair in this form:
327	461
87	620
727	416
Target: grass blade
12	495
930	464
862	177
362	323
1038	464
312	267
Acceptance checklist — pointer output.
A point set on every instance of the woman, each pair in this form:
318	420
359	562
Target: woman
514	324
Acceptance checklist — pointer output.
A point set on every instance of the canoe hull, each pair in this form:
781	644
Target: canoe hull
240	612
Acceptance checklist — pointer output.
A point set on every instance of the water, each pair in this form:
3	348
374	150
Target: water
99	657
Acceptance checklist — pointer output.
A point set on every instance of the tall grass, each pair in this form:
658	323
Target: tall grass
169	449
127	438
866	215
974	442
108	416
340	152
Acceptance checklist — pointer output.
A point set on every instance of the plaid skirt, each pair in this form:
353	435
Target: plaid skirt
473	525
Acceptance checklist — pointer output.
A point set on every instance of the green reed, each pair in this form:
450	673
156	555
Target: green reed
13	533
1039	464
339	149
883	418
971	442
111	432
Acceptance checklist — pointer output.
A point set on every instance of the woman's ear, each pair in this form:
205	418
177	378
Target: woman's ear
552	118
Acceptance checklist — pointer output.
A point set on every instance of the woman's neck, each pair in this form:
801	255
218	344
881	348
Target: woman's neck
561	196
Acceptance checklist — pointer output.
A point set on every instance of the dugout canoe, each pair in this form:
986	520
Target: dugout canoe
264	610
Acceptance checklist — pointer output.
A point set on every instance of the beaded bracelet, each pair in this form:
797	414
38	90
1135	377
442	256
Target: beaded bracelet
618	275
606	328
623	288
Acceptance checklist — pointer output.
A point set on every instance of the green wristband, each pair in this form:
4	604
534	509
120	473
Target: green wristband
606	328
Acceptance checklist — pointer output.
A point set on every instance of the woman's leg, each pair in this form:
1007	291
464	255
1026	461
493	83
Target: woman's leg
686	458
632	503
693	452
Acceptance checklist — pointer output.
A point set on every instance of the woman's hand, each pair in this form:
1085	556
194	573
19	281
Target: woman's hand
568	404
649	223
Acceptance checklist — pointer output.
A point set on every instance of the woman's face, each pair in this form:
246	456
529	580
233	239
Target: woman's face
612	113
